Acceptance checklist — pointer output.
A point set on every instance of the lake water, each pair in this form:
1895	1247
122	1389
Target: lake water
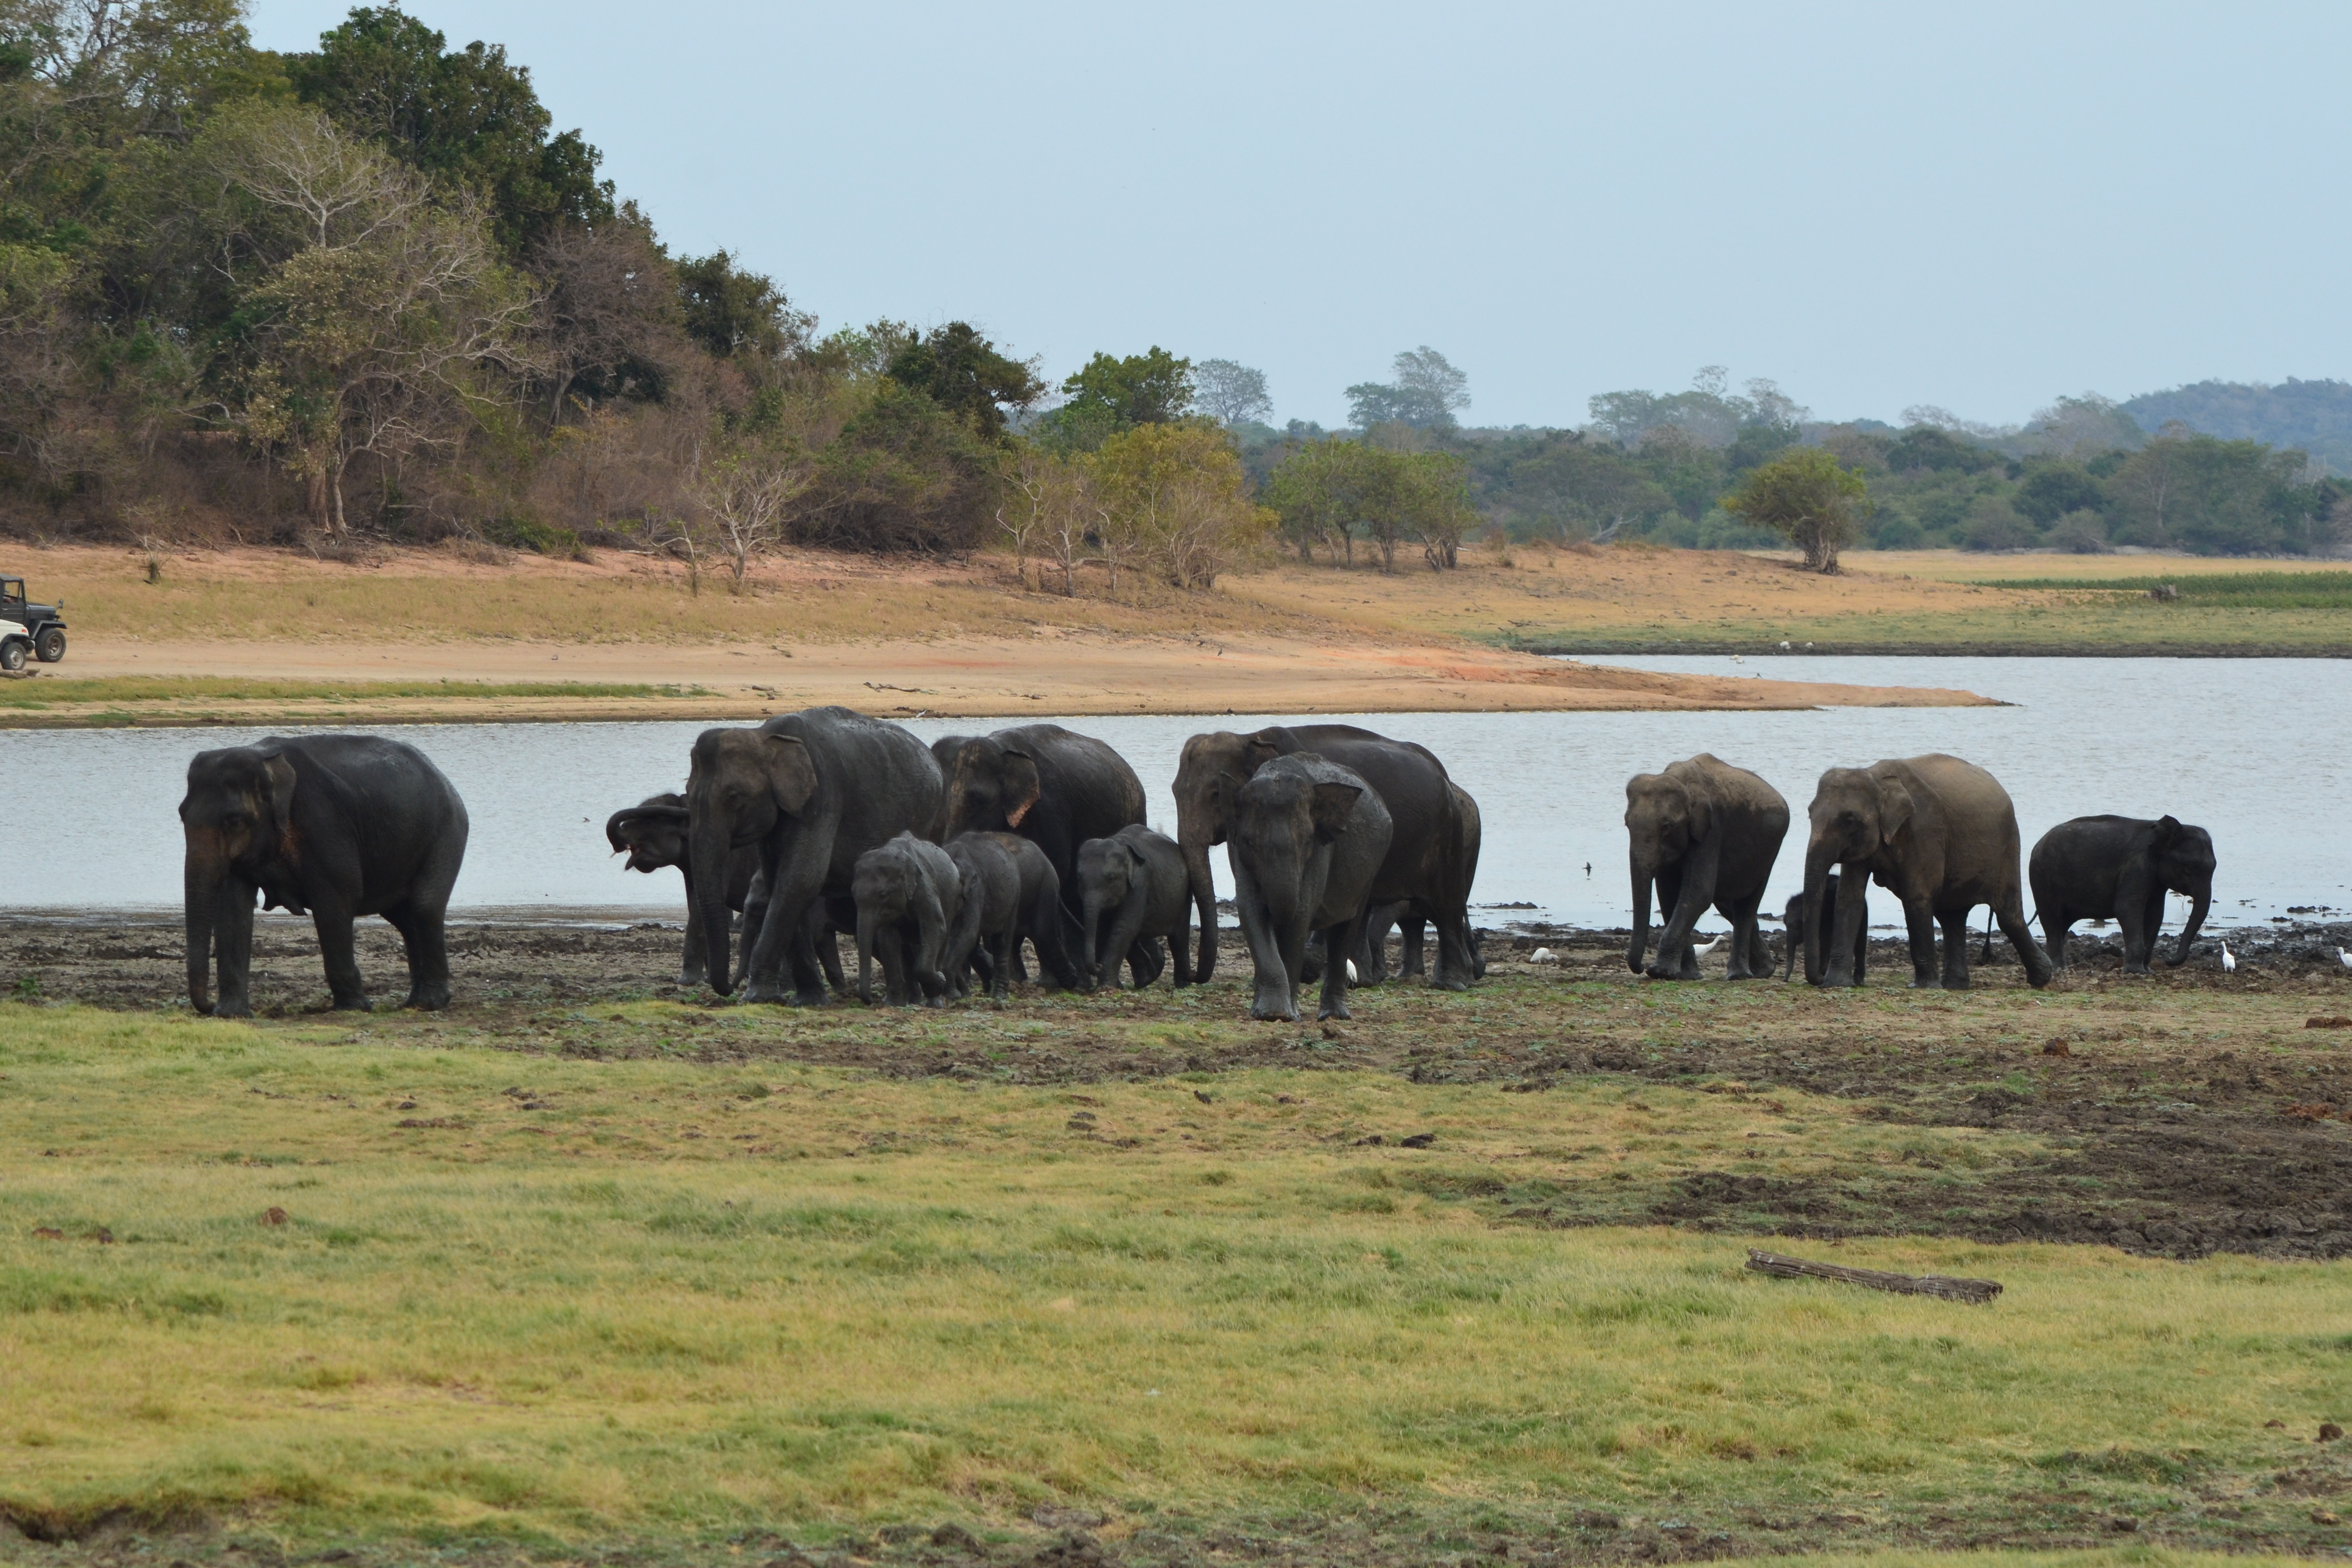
2255	750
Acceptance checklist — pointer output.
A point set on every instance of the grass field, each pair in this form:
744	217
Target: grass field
2231	590
639	1270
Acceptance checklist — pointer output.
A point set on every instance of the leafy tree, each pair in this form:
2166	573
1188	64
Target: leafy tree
904	474
1312	492
1426	394
1175	492
1231	394
966	374
1931	448
1109	394
735	314
2051	490
465	117
611	322
1807	496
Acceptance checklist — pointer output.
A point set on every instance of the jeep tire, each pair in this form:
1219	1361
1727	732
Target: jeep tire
12	655
50	644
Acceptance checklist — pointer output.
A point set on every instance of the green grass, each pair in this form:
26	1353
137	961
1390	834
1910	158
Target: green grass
70	691
2239	590
537	1296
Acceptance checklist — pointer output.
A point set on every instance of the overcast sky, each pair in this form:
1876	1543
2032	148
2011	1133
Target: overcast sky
1976	206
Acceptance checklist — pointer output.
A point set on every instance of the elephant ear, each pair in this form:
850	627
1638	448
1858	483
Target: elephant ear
1894	809
2168	832
1700	811
1022	786
791	776
1334	805
278	791
1259	750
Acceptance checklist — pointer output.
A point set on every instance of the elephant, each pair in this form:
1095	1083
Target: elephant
1938	833
1802	937
906	891
1010	891
1703	833
812	791
1307	841
1372	957
652	833
2120	869
1054	787
333	826
1432	854
1134	891
944	751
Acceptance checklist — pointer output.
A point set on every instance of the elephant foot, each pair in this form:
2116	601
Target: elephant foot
688	980
239	1008
428	1001
1659	971
1335	1010
1450	983
1925	983
353	1005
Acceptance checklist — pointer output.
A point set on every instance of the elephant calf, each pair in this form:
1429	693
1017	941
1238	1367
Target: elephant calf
1308	839
1010	891
1133	889
2120	869
1813	937
907	890
1701	833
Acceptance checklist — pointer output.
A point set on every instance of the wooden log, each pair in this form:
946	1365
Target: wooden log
1975	1291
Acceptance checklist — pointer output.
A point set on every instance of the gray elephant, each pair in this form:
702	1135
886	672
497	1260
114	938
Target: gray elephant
1372	954
1701	833
814	791
1308	840
1010	891
333	826
652	834
906	892
2120	869
1804	936
1134	892
1433	858
1941	835
944	751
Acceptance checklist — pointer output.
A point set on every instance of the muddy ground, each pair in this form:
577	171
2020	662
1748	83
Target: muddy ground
2181	1114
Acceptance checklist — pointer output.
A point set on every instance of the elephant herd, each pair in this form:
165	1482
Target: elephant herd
1938	833
944	860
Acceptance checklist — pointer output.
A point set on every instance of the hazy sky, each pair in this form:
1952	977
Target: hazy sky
1976	206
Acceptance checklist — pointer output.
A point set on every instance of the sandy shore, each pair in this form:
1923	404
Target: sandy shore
1051	670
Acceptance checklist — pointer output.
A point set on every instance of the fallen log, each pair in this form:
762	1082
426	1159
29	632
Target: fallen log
1976	1292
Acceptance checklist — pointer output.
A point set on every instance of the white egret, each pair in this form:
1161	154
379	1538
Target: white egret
2229	960
2344	958
1543	955
1351	972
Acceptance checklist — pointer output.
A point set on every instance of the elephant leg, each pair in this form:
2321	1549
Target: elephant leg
2057	925
335	928
2140	925
233	953
1372	944
1956	949
1744	940
1338	939
426	945
1180	948
1144	962
1920	922
1414	930
2010	913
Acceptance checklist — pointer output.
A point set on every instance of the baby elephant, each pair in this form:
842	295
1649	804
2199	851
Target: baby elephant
2120	869
1010	891
1307	838
1134	888
1800	938
906	891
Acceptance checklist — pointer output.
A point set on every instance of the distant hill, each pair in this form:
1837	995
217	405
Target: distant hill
2316	416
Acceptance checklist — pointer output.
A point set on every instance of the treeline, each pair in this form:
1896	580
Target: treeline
370	291
1661	466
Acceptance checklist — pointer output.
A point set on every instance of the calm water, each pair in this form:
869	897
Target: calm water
2255	749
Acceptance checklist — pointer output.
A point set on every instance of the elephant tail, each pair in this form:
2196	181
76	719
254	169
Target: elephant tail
1984	954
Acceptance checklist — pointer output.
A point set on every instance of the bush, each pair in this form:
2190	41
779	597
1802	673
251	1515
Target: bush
1993	524
1895	531
2081	532
527	533
903	474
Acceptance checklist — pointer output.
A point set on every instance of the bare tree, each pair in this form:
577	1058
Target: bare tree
1230	393
610	311
744	495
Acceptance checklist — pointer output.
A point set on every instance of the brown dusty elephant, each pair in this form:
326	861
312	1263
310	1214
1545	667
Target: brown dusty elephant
1941	835
1431	859
1703	833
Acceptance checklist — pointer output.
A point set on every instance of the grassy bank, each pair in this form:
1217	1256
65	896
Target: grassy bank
633	1270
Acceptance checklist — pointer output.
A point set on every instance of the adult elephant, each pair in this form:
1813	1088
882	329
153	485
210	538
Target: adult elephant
1432	854
2120	869
333	826
813	790
1307	838
1052	786
1701	833
1941	835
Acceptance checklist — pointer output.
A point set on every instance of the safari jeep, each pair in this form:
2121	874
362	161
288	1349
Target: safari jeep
38	630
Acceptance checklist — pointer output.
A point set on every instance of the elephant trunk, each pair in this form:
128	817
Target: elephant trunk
1204	898
205	883
708	854
1093	960
1638	949
866	935
2204	902
1819	861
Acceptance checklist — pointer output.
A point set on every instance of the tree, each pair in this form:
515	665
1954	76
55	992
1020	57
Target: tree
465	117
1313	493
904	474
735	314
1231	394
1426	394
610	321
966	374
1109	395
371	335
1174	496
743	494
1807	495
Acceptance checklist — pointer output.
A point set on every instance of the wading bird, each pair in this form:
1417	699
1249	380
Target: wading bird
2229	960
